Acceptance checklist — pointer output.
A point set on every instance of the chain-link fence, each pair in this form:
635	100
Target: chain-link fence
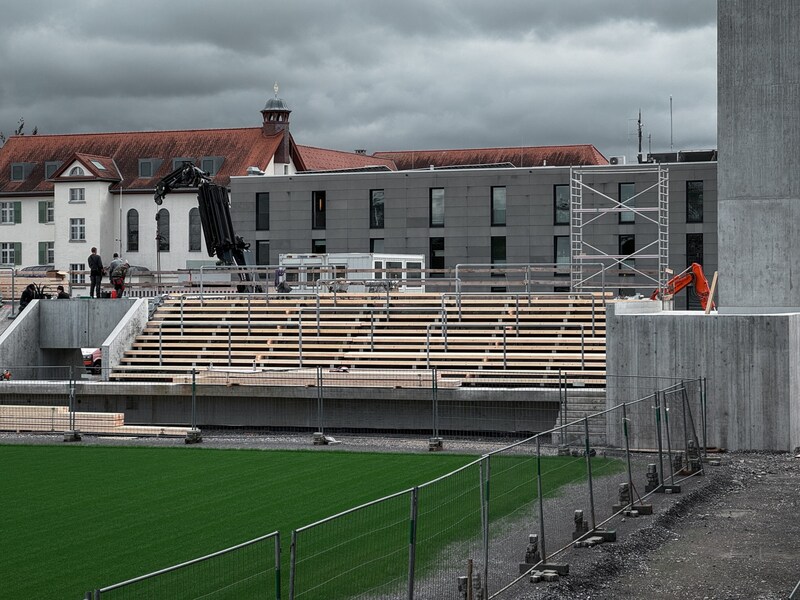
247	570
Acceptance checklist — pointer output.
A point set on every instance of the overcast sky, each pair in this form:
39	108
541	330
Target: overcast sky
373	74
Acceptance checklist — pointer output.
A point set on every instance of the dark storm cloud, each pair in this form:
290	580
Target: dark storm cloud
369	74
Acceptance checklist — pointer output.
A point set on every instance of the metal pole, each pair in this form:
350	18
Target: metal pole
14	291
194	398
485	506
412	543
71	399
589	470
278	566
230	347
669	442
685	430
320	402
543	553
292	564
627	453
658	435
435	394
703	414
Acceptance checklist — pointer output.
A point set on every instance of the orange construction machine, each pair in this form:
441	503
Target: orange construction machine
692	275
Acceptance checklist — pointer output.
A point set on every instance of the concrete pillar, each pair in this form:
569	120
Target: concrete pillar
759	146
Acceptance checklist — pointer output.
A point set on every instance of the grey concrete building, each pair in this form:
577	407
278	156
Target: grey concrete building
488	215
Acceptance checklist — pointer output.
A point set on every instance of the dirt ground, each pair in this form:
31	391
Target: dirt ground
734	534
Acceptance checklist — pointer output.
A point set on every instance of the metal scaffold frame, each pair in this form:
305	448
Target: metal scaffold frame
585	250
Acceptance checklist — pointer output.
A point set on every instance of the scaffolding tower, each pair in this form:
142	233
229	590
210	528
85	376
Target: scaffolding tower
585	249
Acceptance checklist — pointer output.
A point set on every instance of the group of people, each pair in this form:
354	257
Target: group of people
117	271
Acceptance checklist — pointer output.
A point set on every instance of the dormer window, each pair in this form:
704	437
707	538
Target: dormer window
76	172
177	163
99	165
50	167
20	171
148	167
211	164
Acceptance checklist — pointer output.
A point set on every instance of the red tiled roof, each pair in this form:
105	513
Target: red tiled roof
527	156
99	167
320	159
241	148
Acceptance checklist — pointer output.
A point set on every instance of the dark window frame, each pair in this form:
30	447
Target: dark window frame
195	230
377	217
162	230
132	230
262	216
430	206
495	211
319	209
694	201
560	211
624	216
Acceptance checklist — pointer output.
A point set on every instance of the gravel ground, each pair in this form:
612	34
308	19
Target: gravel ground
731	534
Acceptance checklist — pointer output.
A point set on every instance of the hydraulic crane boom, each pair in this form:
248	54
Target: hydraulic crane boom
215	217
692	275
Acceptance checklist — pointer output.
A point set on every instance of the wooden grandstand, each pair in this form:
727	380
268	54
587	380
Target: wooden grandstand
496	335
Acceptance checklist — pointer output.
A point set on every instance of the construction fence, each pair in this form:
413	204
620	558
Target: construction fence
484	528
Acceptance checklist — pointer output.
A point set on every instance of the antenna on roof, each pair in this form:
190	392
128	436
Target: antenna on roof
275	87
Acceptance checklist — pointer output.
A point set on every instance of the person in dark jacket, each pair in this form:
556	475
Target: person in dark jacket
62	295
28	294
95	273
118	278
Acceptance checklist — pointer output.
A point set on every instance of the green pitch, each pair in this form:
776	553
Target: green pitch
77	518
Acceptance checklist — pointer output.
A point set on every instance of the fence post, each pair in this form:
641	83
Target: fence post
627	453
669	444
320	402
230	345
660	446
485	477
412	543
194	398
589	470
278	566
703	414
292	564
542	551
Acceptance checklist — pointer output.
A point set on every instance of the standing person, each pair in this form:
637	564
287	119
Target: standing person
115	262
95	273
118	278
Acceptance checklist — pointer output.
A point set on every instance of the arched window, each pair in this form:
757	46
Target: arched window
162	230
133	230
194	230
76	171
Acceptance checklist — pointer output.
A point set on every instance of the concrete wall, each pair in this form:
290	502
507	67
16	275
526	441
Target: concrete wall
751	362
80	322
19	343
124	333
759	142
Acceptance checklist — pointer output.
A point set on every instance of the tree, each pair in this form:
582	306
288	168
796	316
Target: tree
18	131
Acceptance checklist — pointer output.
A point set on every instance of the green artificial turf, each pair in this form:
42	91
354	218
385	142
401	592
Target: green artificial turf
76	518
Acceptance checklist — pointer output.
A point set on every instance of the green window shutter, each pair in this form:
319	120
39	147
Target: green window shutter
42	211
17	253
17	212
42	251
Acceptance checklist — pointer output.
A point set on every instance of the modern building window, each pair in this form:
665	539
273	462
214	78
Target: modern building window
46	253
413	270
319	246
376	245
627	191
11	253
162	230
694	254
10	213
77	230
76	172
262	211
498	250
194	230
50	167
436	258
561	204
77	195
318	210
694	201
46	211
76	277
133	230
561	254
437	207
376	209
262	252
498	206
627	246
